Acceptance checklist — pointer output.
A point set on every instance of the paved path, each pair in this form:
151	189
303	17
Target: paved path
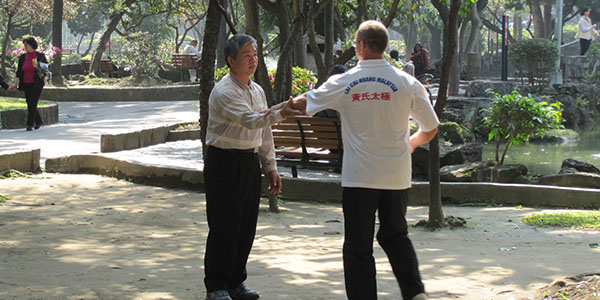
80	125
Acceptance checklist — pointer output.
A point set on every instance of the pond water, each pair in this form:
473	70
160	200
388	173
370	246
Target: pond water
545	159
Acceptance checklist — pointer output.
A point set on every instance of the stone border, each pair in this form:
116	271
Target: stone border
330	191
17	118
146	137
114	94
24	161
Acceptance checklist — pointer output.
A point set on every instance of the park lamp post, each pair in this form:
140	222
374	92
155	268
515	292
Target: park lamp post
557	78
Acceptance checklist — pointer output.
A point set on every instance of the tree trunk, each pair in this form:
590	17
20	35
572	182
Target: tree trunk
457	64
329	38
538	19
101	46
207	64
79	43
87	51
223	34
5	45
450	18
57	18
321	68
299	49
435	48
517	25
253	28
548	23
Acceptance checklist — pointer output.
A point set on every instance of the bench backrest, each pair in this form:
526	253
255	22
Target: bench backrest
309	132
184	61
106	65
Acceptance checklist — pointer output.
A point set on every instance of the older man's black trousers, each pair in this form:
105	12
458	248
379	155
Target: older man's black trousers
360	205
232	181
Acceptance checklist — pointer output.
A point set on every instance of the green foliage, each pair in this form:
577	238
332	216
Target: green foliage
219	73
3	198
514	119
589	219
141	54
74	58
303	80
569	32
594	53
535	59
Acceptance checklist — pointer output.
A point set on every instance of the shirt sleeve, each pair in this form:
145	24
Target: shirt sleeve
326	96
583	25
421	110
238	111
266	151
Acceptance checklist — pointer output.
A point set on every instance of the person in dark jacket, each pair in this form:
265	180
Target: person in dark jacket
30	82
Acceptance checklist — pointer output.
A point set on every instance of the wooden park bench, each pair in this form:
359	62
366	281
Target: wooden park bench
106	66
184	62
310	142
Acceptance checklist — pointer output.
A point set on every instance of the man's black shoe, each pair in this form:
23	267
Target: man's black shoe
29	128
218	295
242	292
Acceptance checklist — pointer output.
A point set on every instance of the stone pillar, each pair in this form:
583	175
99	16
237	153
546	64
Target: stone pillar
473	65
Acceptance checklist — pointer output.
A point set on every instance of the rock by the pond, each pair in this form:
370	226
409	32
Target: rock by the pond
477	88
580	166
463	172
452	155
511	173
581	179
557	136
453	115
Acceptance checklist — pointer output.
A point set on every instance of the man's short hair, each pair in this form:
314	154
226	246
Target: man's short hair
235	43
374	35
394	54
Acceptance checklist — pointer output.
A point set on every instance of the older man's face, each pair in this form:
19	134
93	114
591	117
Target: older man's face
246	61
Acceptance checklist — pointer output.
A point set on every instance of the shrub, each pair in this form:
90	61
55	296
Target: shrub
219	73
514	119
535	58
74	58
142	54
303	80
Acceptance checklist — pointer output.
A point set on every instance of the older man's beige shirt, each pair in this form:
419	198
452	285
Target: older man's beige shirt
236	119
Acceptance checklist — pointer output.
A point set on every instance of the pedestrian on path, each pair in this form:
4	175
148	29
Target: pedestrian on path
30	82
375	101
239	141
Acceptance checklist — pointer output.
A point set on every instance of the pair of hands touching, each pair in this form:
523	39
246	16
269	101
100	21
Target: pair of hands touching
293	107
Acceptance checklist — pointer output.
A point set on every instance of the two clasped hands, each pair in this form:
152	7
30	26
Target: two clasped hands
293	107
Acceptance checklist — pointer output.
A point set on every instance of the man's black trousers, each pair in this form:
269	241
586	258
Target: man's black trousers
232	181
360	205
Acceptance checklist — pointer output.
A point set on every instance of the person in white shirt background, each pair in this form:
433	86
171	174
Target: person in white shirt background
238	138
375	101
585	30
192	48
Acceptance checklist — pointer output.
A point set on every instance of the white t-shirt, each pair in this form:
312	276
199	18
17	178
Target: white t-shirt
375	101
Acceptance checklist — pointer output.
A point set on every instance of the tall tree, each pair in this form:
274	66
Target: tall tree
450	18
57	19
207	63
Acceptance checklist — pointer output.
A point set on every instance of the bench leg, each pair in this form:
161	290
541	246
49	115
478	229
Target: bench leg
294	172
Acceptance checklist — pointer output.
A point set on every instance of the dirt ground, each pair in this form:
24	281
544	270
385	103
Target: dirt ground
92	237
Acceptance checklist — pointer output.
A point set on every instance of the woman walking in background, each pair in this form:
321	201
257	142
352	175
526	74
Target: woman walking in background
584	30
30	82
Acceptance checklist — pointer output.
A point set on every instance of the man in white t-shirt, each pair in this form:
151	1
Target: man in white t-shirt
375	101
192	48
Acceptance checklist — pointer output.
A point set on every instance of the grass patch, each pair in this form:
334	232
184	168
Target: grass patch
7	103
589	219
11	174
3	198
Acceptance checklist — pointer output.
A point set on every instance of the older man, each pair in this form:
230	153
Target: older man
375	101
239	140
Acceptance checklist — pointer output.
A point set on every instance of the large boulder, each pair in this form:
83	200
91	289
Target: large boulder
580	166
477	88
452	132
580	179
452	155
463	172
511	173
557	136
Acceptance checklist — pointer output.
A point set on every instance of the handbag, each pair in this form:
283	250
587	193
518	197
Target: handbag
43	71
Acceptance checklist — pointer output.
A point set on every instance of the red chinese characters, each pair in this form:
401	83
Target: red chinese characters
384	96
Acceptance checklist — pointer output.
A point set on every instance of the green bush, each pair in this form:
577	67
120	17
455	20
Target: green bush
594	53
535	59
69	59
569	33
514	119
142	54
219	73
303	80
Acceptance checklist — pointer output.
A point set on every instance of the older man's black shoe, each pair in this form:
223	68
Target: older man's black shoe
242	292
